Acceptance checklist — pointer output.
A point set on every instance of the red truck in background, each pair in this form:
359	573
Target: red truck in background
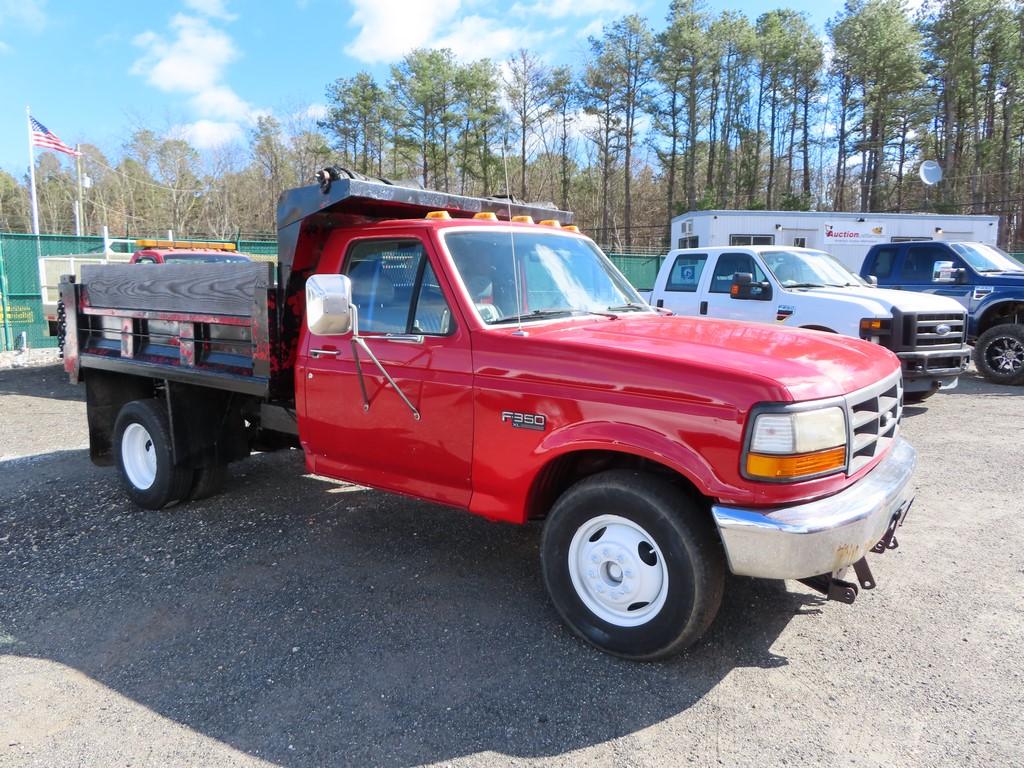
451	349
168	251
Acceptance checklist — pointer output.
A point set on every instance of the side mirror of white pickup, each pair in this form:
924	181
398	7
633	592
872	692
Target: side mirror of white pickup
329	305
744	287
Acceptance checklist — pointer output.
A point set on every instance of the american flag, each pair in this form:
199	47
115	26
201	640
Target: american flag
44	137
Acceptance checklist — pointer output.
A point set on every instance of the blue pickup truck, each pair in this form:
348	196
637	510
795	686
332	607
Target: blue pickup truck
987	281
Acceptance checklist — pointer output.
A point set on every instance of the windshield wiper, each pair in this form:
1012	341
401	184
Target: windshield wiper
538	314
803	285
631	306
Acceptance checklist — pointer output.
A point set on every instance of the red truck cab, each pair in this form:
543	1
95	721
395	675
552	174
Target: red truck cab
435	346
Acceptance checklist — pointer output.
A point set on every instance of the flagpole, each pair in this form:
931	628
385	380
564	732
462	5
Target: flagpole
32	172
80	202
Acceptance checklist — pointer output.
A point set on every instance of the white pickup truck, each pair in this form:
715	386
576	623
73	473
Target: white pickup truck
804	288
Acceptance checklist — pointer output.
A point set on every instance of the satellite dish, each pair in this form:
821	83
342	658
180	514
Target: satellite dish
930	172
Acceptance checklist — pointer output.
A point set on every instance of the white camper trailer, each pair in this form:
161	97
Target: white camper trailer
847	236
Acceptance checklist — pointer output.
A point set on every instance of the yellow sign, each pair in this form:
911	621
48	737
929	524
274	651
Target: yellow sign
17	314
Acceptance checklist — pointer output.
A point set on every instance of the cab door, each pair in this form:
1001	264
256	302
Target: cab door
715	297
917	272
357	426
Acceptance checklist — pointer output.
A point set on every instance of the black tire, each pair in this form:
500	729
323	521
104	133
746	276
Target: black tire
999	354
683	533
170	484
208	481
912	398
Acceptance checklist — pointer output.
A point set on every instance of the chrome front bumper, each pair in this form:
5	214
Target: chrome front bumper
823	536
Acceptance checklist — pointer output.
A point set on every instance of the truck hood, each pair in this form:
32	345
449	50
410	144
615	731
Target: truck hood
663	355
882	300
1002	279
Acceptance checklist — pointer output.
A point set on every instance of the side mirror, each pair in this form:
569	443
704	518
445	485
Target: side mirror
943	272
873	280
329	305
744	287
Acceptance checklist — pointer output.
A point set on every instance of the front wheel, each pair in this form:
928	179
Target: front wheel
145	459
632	565
999	354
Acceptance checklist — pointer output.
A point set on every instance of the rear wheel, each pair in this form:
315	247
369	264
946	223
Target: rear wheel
632	565
145	460
999	354
208	481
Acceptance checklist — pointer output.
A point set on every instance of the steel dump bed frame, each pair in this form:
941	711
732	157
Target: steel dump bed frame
236	327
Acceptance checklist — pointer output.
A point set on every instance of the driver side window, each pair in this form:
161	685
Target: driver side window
396	289
728	265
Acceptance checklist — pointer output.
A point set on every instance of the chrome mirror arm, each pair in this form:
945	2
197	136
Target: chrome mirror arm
358	342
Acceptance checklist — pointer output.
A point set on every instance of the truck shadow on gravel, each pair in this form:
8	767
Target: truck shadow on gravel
307	624
46	381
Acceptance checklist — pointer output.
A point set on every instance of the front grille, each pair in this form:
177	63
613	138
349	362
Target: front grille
920	330
873	415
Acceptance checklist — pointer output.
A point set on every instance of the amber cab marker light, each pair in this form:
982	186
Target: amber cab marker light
551	223
486	216
571	228
795	466
523	219
440	215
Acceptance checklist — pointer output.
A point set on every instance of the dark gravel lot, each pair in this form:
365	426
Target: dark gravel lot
296	622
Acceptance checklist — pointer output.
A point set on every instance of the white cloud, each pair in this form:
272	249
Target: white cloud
5	48
389	29
314	112
208	134
191	61
191	58
475	37
212	8
560	9
27	13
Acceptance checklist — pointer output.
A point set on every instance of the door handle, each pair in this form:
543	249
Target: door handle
323	352
703	307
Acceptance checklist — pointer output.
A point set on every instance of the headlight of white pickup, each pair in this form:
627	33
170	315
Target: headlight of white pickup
797	445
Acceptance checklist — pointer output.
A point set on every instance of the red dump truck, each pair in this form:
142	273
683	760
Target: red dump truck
451	349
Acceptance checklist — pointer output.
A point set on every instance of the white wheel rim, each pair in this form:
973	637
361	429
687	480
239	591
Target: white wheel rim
618	571
138	456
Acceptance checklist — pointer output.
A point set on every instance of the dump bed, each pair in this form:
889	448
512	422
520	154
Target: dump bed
205	324
236	326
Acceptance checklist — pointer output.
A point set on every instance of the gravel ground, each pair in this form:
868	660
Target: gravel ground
299	623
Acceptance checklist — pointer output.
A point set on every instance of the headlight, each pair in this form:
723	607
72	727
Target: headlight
797	445
875	326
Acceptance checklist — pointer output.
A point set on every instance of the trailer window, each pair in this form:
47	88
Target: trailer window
751	239
395	288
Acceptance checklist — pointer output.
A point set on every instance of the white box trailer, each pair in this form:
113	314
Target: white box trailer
847	236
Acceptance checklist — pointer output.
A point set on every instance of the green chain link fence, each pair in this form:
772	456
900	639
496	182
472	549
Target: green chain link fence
31	266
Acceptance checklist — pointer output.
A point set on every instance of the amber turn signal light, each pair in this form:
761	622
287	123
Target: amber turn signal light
795	466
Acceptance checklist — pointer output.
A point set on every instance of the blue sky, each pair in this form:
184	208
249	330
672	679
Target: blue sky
204	69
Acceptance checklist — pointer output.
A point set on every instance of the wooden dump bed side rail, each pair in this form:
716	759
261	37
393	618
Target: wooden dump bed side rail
206	324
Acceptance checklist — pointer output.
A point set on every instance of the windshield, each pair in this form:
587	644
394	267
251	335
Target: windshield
808	269
986	258
558	276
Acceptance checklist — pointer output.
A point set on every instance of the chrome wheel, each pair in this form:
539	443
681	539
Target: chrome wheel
618	571
1005	354
138	456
